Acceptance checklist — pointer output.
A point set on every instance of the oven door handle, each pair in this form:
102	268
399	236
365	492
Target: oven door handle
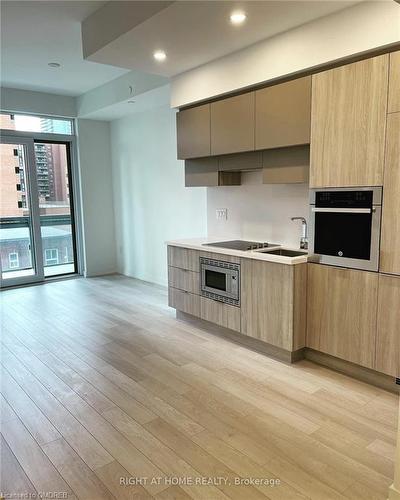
343	210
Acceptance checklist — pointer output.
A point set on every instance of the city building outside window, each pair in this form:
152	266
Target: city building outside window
51	256
13	260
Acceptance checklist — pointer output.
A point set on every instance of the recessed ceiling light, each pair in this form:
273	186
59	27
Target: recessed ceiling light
159	55
54	65
238	17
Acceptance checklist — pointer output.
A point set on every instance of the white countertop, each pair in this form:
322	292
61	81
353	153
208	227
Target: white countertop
199	244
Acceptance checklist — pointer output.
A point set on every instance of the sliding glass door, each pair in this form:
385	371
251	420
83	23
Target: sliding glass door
53	173
37	227
20	240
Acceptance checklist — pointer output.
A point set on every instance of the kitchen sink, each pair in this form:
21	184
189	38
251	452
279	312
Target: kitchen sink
285	252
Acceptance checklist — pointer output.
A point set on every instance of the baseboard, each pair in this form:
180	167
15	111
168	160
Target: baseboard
356	371
347	368
253	344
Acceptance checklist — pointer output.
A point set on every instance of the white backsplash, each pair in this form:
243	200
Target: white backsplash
258	212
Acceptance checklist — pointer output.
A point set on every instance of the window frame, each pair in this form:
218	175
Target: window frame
46	260
74	181
12	261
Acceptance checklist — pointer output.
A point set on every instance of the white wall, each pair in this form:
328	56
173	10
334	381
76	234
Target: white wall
258	212
150	201
355	30
96	197
41	103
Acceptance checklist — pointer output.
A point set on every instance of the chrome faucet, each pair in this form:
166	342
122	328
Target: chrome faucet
304	232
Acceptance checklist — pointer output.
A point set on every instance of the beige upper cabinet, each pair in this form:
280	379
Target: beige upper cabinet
394	82
390	239
342	313
283	114
388	338
348	115
232	124
193	132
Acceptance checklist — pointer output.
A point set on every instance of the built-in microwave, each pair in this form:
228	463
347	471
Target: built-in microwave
345	227
220	280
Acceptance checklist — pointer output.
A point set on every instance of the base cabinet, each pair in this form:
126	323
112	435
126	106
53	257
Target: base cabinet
186	302
388	334
219	313
342	313
271	301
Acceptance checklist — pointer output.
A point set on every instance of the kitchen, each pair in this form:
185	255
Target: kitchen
229	185
337	130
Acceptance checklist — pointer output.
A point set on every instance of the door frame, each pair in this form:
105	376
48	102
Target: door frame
34	213
75	177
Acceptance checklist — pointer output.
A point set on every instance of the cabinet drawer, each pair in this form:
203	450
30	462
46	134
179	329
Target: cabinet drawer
184	258
183	279
220	313
184	301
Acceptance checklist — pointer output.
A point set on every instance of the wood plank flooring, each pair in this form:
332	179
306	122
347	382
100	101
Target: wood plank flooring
102	390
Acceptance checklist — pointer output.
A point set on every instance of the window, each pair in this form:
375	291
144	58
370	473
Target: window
29	123
51	256
13	260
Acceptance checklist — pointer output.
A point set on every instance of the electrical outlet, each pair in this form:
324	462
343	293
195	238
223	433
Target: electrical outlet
221	213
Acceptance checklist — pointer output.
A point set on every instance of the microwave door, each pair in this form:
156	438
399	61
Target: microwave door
215	280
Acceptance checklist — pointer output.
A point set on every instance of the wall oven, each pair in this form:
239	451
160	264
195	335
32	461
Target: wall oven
345	227
220	280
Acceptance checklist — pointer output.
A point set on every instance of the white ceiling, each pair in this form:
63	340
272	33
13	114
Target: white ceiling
34	33
195	32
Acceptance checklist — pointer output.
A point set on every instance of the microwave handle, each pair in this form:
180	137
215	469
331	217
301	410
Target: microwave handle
343	210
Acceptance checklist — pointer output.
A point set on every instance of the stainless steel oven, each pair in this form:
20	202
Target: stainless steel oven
220	280
345	227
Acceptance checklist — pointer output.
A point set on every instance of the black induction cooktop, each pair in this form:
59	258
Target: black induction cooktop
240	245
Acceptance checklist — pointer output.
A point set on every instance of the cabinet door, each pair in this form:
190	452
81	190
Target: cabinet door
390	242
267	302
394	82
348	118
388	340
220	314
193	132
283	114
342	313
232	124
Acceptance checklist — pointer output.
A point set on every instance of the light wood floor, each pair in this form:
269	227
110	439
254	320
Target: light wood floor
101	382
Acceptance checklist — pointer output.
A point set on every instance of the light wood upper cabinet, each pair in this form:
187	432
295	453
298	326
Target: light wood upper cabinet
283	114
390	239
193	132
342	313
232	124
388	337
394	82
348	115
270	302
